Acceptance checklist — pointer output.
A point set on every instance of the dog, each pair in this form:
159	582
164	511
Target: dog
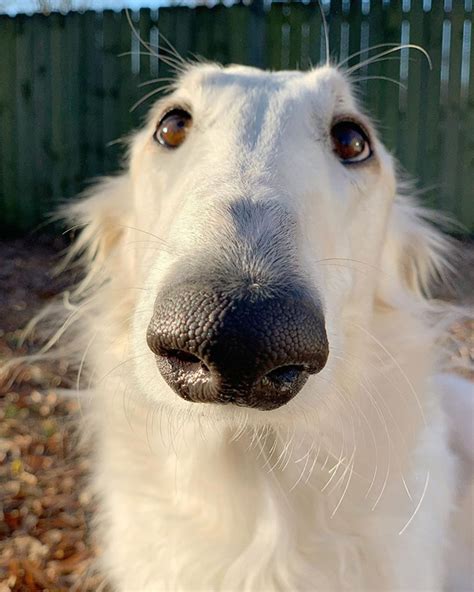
268	408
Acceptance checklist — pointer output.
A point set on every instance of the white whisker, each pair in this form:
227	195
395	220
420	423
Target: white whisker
418	506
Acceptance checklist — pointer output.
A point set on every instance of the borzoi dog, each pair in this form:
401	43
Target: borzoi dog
266	409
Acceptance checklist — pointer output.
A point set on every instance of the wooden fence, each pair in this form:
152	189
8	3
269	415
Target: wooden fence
65	94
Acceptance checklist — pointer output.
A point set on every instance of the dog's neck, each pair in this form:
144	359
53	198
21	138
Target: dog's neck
226	501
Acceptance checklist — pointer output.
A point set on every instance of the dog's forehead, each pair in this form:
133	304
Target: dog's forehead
324	86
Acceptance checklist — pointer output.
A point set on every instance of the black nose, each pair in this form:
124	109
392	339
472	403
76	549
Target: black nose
253	349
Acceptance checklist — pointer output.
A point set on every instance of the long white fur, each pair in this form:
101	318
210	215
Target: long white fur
352	485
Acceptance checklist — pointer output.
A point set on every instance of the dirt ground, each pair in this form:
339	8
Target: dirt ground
45	502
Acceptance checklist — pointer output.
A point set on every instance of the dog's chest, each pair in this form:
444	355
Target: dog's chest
219	518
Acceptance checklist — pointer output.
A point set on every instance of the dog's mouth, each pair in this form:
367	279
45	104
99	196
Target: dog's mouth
194	380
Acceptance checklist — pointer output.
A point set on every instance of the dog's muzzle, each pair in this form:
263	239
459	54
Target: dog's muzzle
251	348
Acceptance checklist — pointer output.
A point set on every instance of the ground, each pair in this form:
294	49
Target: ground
45	542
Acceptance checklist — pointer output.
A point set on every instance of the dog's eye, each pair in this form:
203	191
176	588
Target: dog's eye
350	142
173	128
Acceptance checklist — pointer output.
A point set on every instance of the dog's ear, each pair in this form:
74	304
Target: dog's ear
101	217
416	255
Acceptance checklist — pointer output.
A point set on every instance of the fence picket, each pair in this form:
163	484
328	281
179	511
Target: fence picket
465	181
430	136
393	122
110	82
8	120
42	162
25	129
237	30
452	159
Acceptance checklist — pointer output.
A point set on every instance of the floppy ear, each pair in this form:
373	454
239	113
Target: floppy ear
416	256
102	215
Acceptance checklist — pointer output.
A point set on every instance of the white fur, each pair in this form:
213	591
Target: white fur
351	485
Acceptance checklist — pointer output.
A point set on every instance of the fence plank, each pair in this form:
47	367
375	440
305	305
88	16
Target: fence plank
237	30
335	20
375	87
257	38
8	119
430	137
42	155
295	21
25	128
220	43
203	47
464	188
128	89
450	163
93	33
73	91
275	21
392	121
415	63
111	128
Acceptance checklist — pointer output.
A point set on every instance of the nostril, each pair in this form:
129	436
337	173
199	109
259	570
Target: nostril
183	359
283	381
286	373
180	355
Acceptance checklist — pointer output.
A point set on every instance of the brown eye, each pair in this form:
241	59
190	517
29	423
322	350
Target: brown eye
173	128
350	142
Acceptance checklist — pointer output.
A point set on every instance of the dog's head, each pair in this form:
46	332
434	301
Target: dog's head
259	218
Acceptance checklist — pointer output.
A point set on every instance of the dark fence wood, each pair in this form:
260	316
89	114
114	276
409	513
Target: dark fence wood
66	94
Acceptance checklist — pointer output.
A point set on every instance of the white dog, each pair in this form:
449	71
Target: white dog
265	405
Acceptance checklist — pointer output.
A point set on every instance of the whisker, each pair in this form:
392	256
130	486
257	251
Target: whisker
81	366
343	259
326	33
385	425
364	51
386	78
146	97
350	467
155	236
127	361
174	63
171	49
360	412
169	61
155	81
395	361
306	457
418	506
388	52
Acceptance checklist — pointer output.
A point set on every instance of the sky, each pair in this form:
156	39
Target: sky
13	7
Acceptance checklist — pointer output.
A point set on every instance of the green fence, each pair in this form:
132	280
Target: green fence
65	94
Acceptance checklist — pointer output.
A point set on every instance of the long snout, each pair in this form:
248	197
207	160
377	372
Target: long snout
251	347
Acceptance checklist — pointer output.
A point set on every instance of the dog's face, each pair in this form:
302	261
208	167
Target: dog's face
268	195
